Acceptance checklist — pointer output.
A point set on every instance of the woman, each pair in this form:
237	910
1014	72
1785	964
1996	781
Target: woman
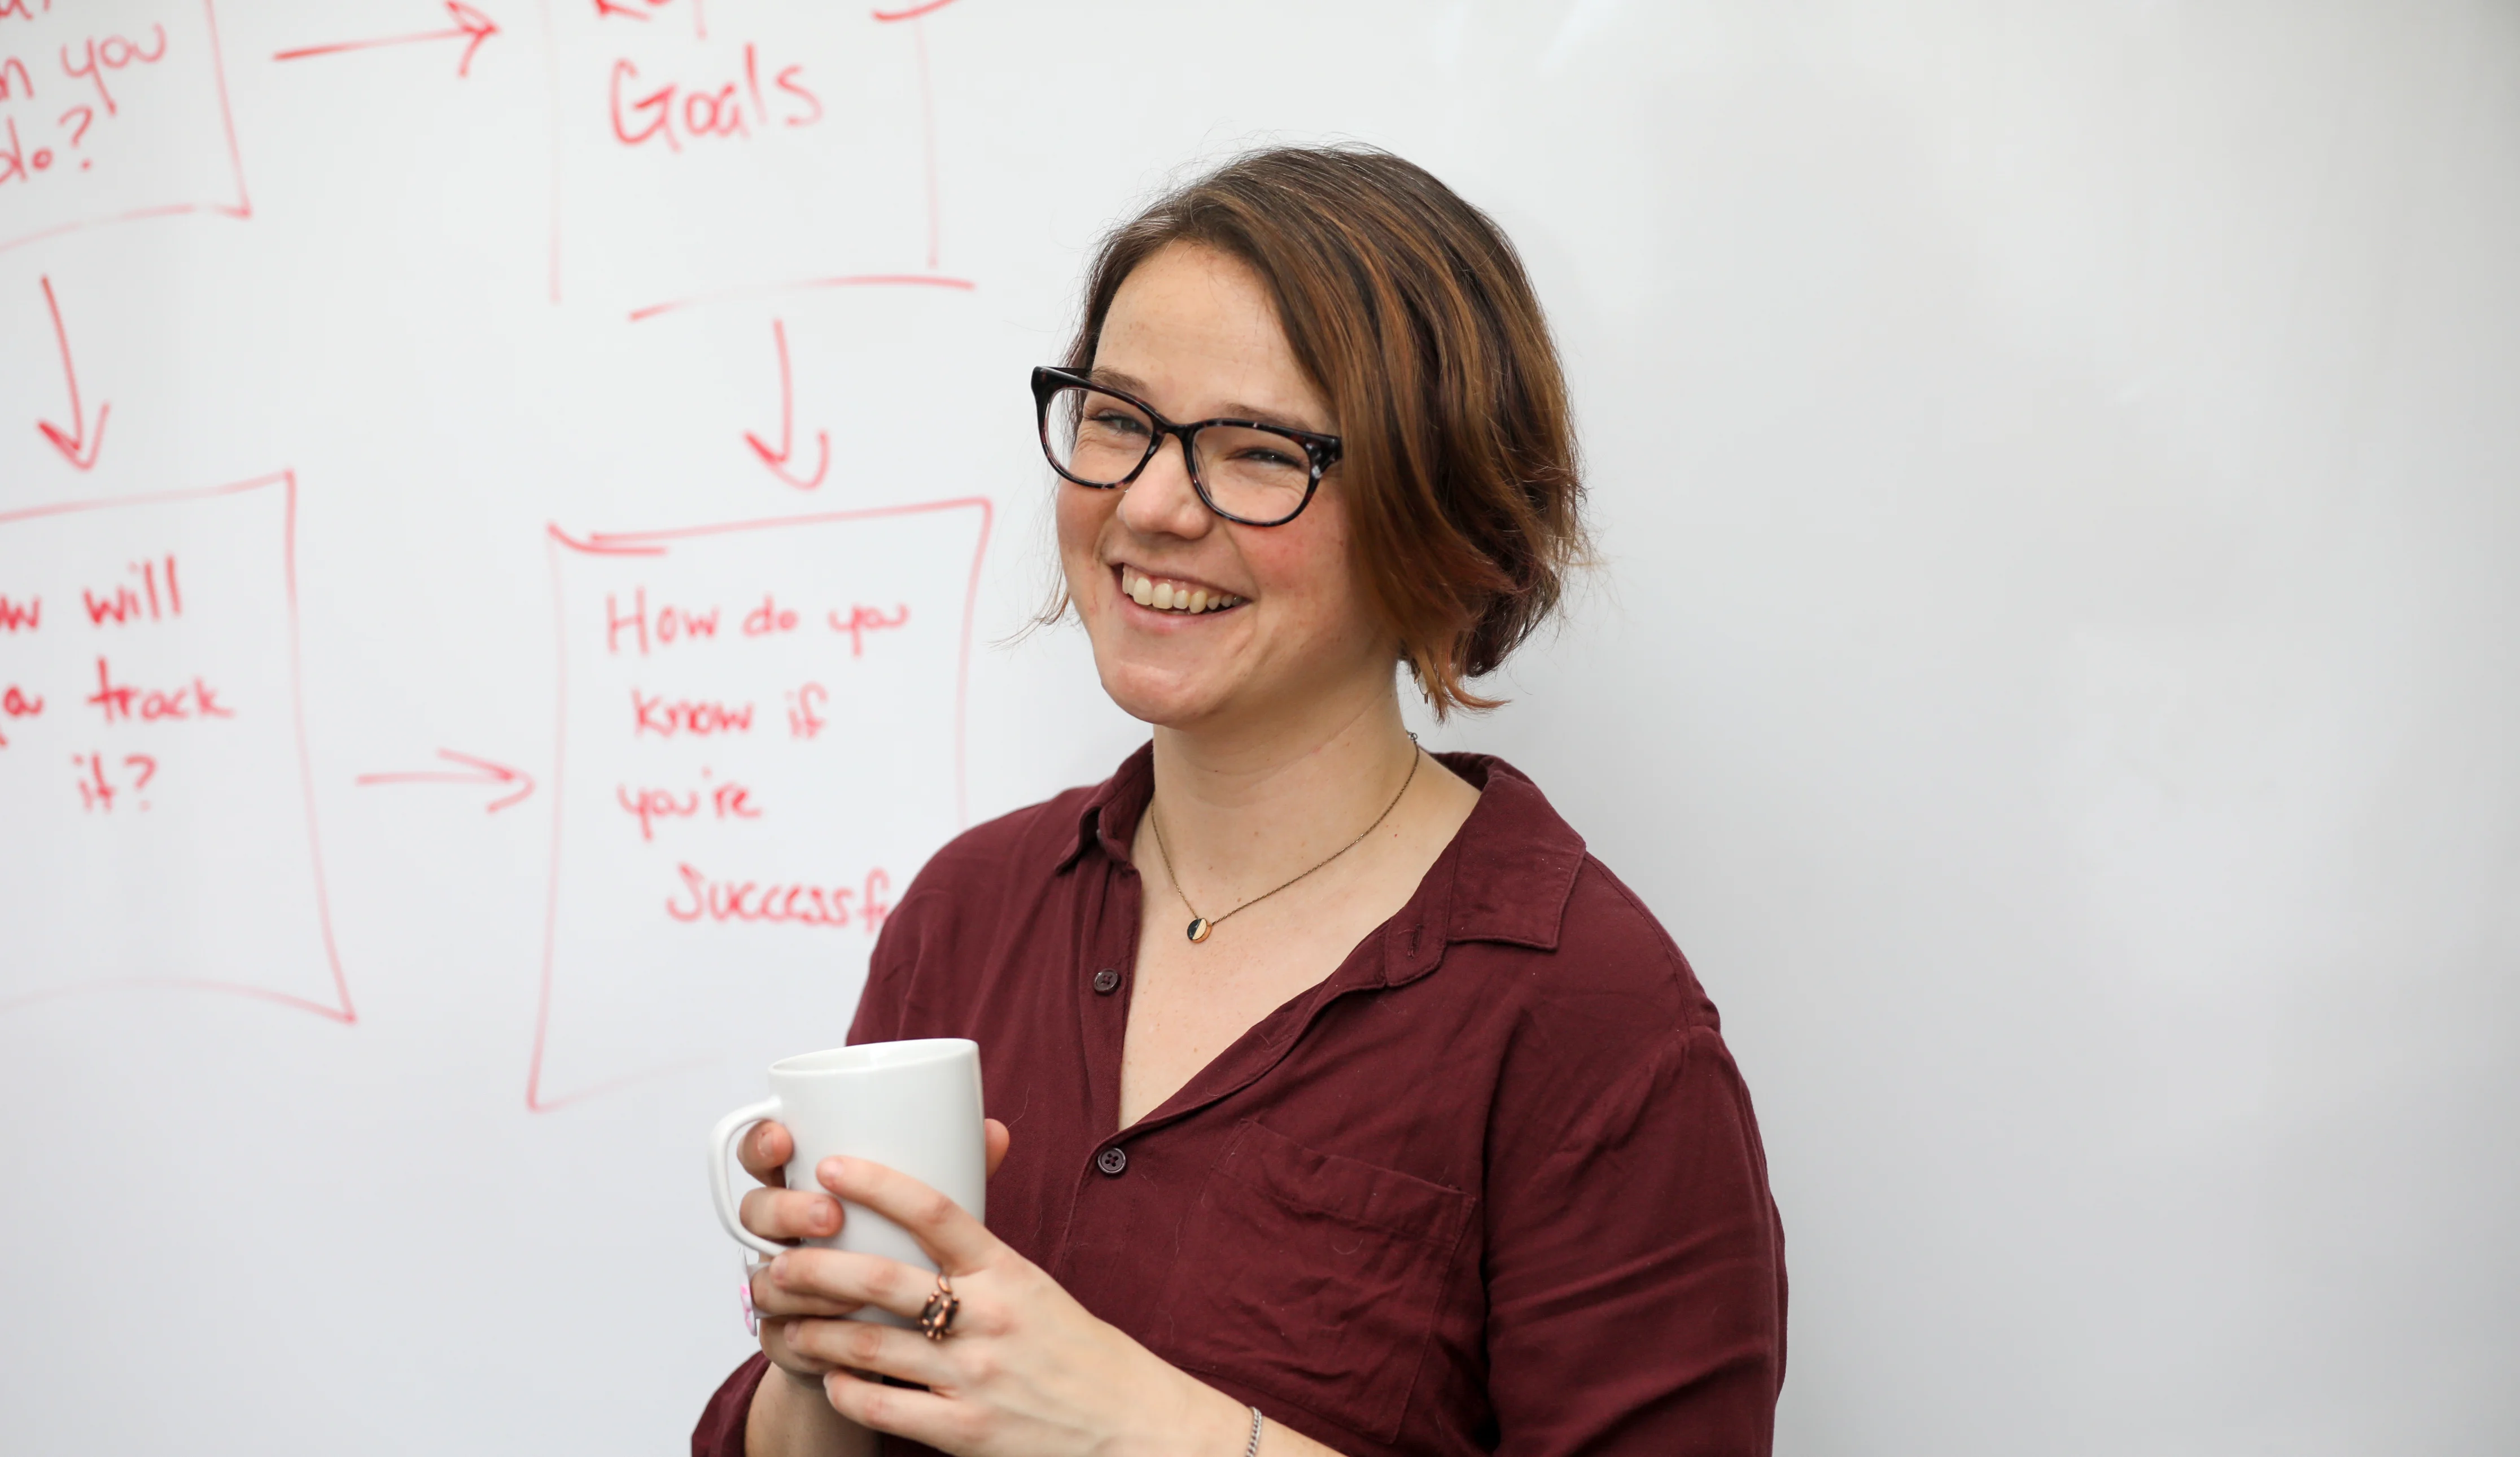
1346	1103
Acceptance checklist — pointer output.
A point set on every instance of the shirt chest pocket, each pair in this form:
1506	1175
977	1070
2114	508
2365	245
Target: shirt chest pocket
1313	1276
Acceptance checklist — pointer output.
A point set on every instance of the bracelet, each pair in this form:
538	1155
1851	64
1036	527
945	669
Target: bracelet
1252	1448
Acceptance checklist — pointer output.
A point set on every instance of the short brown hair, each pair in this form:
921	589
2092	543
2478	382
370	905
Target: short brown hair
1411	313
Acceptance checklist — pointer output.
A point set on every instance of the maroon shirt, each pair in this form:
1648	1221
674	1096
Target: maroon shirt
1493	1185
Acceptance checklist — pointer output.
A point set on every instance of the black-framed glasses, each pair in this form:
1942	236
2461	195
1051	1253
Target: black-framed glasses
1246	471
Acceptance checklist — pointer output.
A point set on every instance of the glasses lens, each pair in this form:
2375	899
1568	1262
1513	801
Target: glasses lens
1096	437
1257	475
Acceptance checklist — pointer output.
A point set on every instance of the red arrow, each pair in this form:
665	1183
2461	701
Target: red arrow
467	21
78	444
777	459
481	771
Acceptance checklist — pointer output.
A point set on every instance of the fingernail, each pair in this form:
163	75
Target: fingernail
778	1270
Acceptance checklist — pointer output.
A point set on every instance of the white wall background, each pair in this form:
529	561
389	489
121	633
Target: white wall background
2053	666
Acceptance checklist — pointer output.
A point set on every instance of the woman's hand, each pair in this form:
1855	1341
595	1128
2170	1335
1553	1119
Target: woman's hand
777	1213
1025	1369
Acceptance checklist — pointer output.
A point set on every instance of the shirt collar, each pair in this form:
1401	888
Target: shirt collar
1506	877
1109	815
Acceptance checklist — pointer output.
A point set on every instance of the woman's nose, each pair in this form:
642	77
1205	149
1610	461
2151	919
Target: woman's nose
1161	501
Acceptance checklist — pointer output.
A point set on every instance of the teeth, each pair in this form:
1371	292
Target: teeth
1170	597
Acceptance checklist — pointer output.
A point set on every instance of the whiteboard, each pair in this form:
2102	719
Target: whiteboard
519	518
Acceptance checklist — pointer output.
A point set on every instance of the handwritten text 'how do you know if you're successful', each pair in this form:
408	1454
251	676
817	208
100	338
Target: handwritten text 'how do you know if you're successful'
643	628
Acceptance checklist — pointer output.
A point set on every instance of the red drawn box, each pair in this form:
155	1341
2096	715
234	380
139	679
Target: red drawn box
699	158
761	739
160	819
108	118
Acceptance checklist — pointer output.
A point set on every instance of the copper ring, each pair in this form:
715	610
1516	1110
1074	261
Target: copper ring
936	1317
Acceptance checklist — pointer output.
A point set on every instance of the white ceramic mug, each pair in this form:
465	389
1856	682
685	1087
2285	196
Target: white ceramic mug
910	1105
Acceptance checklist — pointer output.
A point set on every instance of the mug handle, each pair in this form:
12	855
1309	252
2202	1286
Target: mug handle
721	1141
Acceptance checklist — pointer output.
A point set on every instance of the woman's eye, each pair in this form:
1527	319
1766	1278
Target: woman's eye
1116	423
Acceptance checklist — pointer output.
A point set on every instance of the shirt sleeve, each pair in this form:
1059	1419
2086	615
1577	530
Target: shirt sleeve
1636	1268
721	1429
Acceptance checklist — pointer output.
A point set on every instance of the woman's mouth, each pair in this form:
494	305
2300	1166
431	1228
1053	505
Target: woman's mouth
1165	595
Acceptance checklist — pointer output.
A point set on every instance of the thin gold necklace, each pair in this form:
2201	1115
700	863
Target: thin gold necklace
1200	926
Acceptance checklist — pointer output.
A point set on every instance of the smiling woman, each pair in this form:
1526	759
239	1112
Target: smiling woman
1355	1107
1406	315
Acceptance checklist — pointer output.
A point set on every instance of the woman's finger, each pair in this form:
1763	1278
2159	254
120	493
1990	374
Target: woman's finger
859	1279
774	1345
791	1214
939	1422
764	1154
864	1345
998	1139
944	1229
770	1297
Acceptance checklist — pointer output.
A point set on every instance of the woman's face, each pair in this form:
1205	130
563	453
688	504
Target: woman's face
1193	333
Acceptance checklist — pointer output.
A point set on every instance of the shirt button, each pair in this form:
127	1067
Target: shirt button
1106	981
1111	1160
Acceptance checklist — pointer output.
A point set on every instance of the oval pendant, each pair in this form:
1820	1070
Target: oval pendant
1200	926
